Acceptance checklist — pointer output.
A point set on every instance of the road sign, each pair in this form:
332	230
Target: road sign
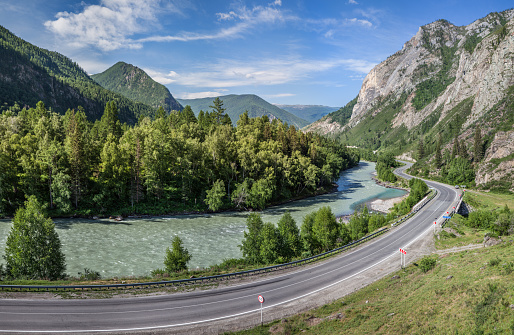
446	217
261	300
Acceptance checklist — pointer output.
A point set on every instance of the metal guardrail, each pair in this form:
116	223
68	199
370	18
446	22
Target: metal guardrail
198	280
453	211
417	207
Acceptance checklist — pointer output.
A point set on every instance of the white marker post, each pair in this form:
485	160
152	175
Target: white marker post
261	300
404	254
435	223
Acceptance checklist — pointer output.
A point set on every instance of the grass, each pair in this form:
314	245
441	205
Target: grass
489	200
468	235
479	200
475	300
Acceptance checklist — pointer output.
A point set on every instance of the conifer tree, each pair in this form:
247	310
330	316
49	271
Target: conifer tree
478	147
455	149
177	257
421	149
438	158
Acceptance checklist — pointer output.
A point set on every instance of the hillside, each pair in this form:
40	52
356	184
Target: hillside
310	113
444	83
133	83
237	104
29	74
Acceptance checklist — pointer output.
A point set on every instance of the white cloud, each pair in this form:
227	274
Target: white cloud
198	95
244	18
233	73
353	2
108	25
279	95
92	66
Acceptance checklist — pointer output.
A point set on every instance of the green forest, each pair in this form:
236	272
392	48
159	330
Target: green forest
173	163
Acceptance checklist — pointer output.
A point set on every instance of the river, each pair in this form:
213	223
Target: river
135	247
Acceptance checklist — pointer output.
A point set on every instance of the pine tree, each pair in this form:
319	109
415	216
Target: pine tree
178	257
421	149
463	150
75	150
438	158
218	110
478	147
455	149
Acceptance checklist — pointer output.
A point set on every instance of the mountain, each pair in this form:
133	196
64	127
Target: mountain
133	83
29	74
237	104
310	113
444	83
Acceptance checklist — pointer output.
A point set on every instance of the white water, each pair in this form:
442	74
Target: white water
137	246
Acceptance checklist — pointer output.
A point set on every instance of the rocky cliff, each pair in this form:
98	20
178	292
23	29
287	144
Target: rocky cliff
444	82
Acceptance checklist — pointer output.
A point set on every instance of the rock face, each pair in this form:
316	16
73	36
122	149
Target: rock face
498	164
483	73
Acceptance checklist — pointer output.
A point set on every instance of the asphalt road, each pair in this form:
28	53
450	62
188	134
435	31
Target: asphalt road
183	309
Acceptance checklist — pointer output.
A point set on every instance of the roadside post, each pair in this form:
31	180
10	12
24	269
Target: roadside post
402	257
261	300
435	223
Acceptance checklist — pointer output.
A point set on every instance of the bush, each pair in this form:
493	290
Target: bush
494	261
427	263
89	275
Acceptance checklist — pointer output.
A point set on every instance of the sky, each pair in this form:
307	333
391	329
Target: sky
285	51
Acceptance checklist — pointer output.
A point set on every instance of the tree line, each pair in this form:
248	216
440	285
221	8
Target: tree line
174	162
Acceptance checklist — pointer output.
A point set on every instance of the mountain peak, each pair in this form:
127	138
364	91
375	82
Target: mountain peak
134	83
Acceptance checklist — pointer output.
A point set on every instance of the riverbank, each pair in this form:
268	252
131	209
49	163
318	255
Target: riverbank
116	216
383	206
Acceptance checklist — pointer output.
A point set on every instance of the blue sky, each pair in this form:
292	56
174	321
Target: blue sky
286	51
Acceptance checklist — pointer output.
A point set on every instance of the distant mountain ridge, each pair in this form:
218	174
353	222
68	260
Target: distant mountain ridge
310	113
237	104
133	83
29	74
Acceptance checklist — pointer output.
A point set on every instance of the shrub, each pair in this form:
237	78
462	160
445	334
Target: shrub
427	263
494	261
89	275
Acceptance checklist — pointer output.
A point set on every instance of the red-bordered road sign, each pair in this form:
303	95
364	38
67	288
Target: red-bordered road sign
261	299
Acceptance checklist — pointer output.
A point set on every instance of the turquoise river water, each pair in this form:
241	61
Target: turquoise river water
137	246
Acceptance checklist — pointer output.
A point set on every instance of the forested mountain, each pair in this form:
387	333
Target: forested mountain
237	104
29	74
310	113
133	83
172	163
445	99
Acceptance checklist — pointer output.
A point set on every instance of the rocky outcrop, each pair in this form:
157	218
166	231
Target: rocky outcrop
324	126
498	165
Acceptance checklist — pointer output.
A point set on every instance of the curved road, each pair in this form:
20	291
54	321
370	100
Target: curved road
183	309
